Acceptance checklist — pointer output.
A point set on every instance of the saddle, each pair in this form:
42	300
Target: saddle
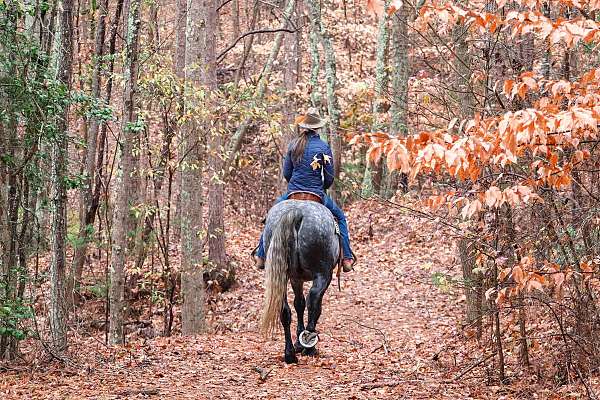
305	196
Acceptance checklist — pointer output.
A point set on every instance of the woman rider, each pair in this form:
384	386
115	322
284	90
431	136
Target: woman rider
308	169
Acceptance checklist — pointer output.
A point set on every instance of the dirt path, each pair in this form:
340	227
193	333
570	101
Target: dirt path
389	334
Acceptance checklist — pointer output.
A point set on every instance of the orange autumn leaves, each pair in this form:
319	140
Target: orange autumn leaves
492	197
519	22
545	142
527	277
377	7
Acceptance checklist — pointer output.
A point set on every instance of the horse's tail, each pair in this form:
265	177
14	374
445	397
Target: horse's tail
281	252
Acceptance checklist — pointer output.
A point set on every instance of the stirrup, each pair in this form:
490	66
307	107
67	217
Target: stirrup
253	252
254	257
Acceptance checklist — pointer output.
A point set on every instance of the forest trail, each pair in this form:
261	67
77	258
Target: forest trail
390	333
132	132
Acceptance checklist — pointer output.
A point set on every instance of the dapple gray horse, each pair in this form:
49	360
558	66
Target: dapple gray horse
302	245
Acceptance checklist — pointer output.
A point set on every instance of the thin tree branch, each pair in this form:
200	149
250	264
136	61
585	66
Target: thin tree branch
223	4
231	46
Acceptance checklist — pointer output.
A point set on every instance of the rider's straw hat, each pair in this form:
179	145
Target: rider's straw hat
311	120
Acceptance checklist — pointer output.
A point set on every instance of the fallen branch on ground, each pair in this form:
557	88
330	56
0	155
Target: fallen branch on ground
263	372
379	331
375	385
472	367
142	391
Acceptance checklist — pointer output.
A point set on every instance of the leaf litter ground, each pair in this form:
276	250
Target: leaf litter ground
391	333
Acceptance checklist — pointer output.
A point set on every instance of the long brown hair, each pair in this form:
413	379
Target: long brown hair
298	145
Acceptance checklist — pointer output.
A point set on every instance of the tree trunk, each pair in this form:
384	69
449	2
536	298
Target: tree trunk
291	78
546	67
8	190
399	107
180	39
58	302
192	282
4	191
99	187
87	210
496	326
235	19
200	74
122	220
467	246
472	284
179	66
8	226
462	65
316	97
333	108
379	104
236	141
220	271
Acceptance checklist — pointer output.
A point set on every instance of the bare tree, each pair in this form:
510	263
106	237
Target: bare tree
291	77
129	136
333	107
200	73
88	208
58	306
219	270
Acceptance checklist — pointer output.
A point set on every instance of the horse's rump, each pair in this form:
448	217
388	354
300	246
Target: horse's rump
317	243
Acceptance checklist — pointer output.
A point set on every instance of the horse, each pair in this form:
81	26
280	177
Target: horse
302	245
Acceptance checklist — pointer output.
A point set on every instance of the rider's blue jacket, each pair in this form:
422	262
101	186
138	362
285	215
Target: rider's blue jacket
314	172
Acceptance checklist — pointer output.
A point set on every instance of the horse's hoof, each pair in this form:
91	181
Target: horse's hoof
291	359
311	352
308	339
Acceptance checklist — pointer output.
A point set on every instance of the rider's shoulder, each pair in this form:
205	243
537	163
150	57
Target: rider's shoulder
320	143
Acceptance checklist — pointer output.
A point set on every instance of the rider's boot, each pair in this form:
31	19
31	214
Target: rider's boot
348	264
259	262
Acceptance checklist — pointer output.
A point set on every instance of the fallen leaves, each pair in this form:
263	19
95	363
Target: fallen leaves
397	339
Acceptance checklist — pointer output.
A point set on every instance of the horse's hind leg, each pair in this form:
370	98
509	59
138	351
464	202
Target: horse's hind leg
299	306
286	321
315	299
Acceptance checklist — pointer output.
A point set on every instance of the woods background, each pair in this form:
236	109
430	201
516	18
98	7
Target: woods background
134	134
